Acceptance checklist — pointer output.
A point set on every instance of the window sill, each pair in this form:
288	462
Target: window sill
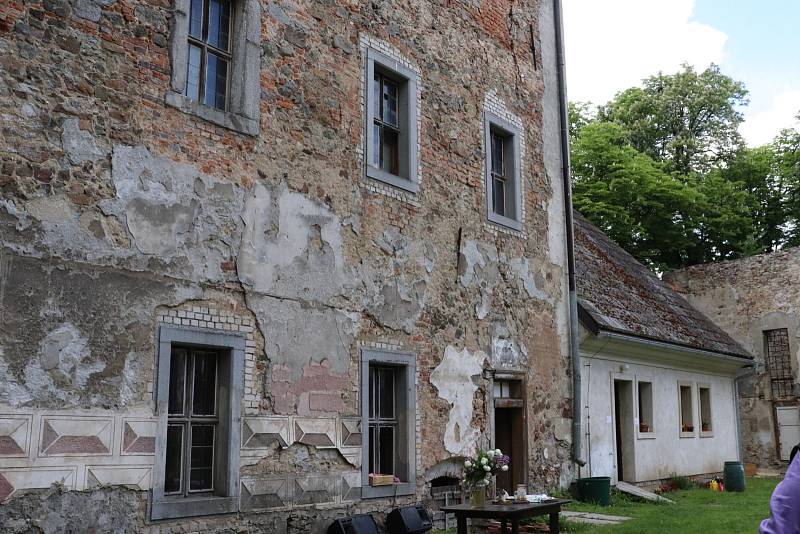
707	434
192	506
646	435
375	492
226	119
391	179
505	221
687	435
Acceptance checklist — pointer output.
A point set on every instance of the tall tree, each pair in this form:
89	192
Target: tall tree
688	120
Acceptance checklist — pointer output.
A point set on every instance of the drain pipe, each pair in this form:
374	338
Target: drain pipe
574	347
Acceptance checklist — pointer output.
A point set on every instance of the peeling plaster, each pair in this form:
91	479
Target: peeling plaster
80	145
453	378
506	352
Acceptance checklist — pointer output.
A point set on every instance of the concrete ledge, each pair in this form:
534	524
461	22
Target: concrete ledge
226	119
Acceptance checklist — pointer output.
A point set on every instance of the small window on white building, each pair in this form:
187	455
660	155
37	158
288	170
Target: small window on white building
706	424
646	407
686	410
388	407
503	189
391	110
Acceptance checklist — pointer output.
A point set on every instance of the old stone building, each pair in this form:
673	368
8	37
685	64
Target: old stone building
757	301
254	250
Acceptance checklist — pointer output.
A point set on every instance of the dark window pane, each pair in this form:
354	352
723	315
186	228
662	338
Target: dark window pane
373	447
216	81
390	157
386	394
386	449
498	166
172	471
376	145
202	454
390	92
196	19
218	23
499	196
177	381
193	73
205	383
373	376
376	96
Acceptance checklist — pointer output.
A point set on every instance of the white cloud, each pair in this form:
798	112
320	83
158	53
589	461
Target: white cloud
613	44
761	126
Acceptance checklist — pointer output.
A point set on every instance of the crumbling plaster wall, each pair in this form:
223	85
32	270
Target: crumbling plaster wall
746	297
119	213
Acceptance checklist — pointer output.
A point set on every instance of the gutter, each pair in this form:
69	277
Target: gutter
741	360
574	342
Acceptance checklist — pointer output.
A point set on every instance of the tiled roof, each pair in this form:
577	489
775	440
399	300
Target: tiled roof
621	295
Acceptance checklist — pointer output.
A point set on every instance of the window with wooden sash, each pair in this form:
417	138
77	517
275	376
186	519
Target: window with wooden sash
192	422
391	111
503	186
209	58
198	404
388	411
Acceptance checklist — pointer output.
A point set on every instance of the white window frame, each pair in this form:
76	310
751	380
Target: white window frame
408	81
231	380
493	122
407	362
708	433
244	75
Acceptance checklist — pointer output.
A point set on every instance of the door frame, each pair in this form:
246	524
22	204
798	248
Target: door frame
520	377
631	379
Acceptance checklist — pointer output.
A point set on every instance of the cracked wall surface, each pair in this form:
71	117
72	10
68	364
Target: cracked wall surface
120	213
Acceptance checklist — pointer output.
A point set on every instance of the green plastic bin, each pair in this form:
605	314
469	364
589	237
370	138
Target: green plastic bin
595	490
733	475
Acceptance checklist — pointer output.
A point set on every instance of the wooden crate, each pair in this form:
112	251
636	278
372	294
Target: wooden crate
381	480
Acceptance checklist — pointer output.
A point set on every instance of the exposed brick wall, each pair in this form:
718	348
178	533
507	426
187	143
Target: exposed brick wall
119	213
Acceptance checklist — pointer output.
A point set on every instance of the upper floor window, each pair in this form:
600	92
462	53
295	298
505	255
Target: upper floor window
391	122
779	362
209	56
216	62
503	189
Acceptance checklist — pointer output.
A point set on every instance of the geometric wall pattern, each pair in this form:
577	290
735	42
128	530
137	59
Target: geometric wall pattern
320	433
64	436
269	493
13	480
139	437
133	477
14	435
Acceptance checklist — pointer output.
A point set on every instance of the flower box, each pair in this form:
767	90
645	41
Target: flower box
644	427
380	480
687	428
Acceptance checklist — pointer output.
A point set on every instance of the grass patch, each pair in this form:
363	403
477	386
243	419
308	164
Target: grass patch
695	510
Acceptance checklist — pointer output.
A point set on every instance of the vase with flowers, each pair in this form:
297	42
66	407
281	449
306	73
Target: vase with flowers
478	473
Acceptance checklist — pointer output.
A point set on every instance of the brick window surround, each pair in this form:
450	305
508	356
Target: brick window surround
405	390
225	498
408	82
244	90
493	125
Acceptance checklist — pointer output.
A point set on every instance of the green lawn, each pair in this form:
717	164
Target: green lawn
695	510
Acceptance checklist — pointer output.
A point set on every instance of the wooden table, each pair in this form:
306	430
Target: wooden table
506	513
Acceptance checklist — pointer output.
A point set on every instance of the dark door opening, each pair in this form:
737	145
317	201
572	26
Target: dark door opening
623	429
509	432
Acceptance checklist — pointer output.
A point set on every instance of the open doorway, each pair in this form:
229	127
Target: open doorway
623	430
509	431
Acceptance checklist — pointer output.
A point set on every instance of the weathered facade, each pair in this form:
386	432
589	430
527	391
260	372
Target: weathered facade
235	220
757	301
658	375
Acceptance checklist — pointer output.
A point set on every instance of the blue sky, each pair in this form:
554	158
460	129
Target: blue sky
612	44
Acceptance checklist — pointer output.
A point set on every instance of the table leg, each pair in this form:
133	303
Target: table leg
503	526
514	525
554	523
461	521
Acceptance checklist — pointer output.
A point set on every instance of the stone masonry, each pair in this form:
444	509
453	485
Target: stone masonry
746	298
121	212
